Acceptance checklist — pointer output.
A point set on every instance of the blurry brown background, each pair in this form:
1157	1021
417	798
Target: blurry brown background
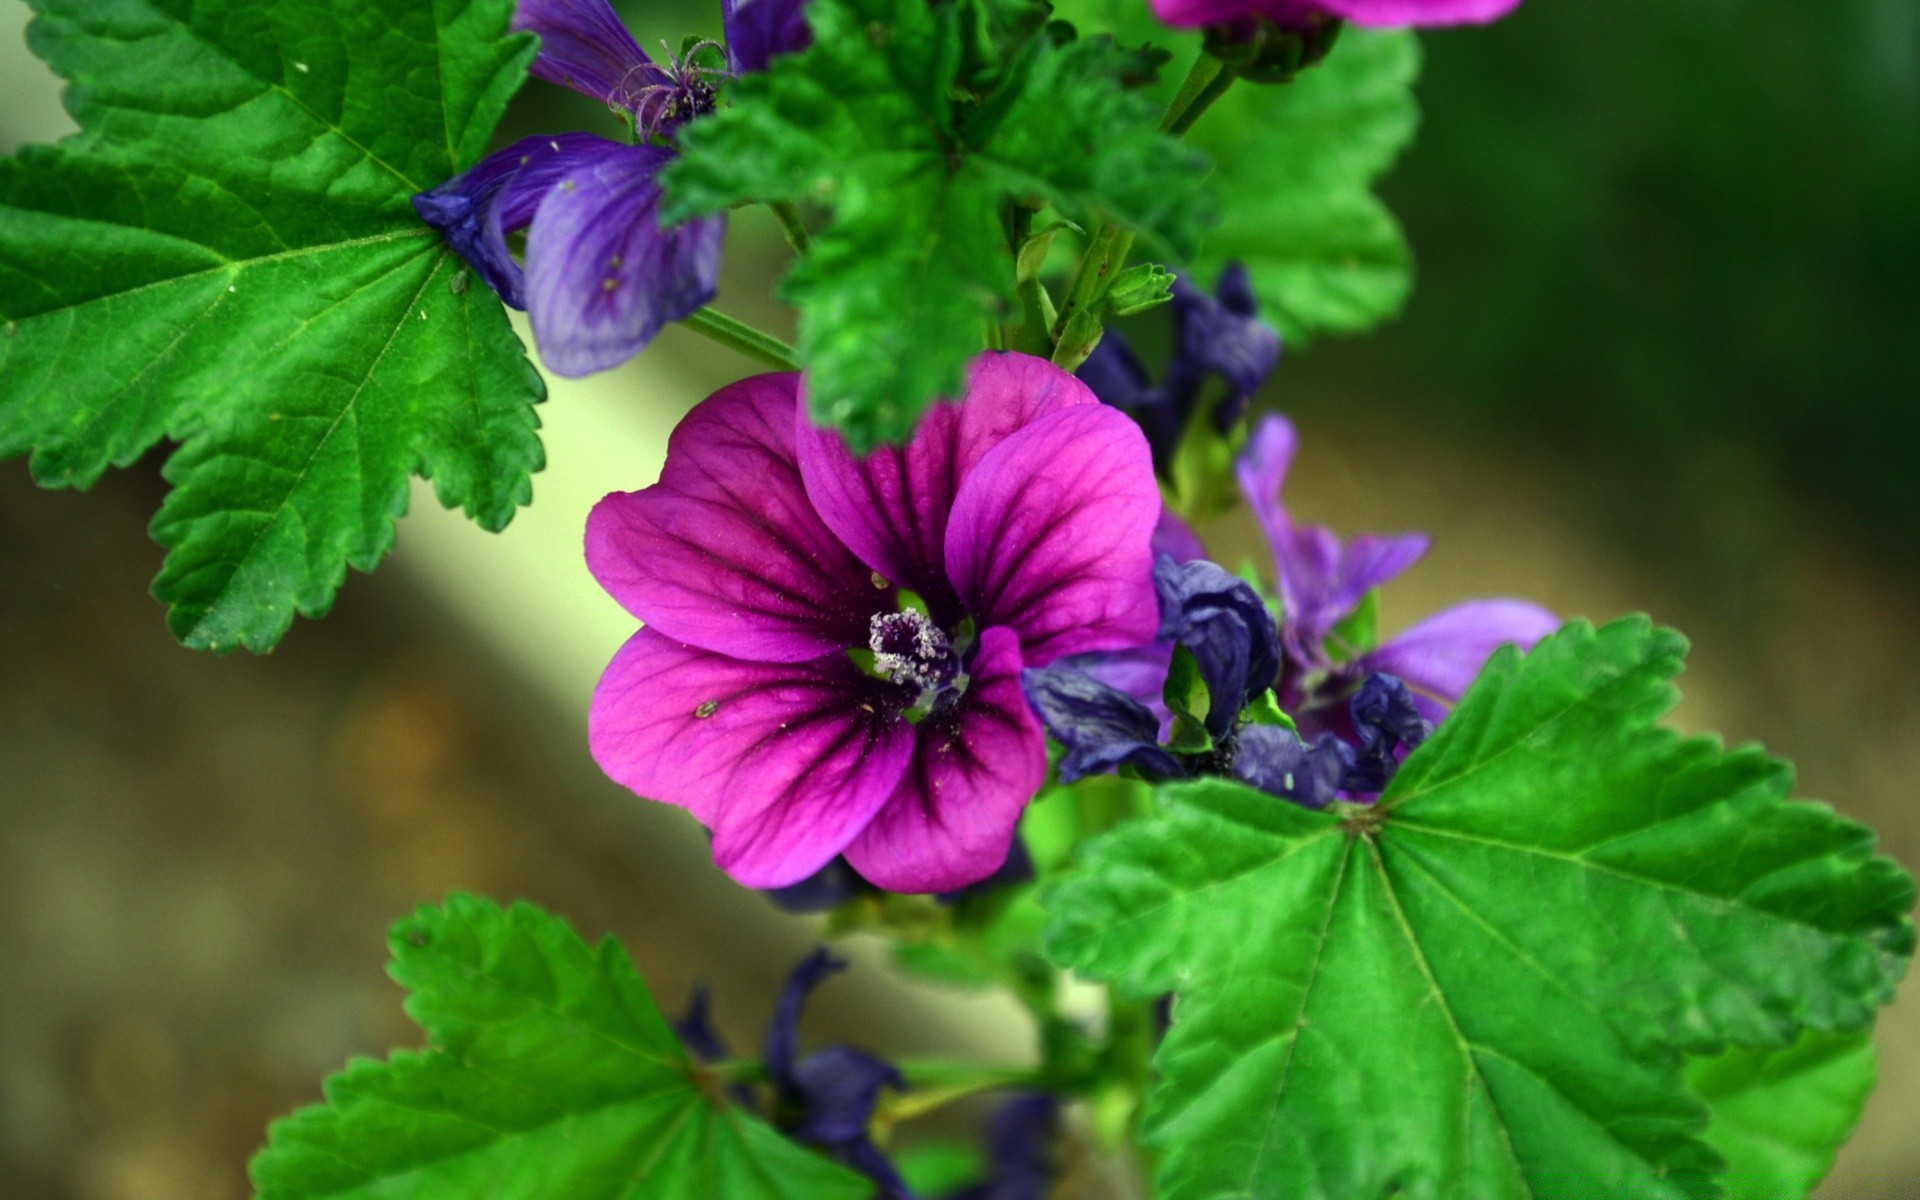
1629	381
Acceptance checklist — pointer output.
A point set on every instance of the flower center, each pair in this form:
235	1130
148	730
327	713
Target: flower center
664	97
910	650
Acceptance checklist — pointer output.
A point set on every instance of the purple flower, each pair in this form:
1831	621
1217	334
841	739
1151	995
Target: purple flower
1102	727
1214	336
825	1099
602	276
1020	1162
1223	623
1322	581
1307	14
783	694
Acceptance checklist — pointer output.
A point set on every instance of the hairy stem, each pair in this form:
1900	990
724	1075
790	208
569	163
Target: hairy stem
762	347
1207	80
789	218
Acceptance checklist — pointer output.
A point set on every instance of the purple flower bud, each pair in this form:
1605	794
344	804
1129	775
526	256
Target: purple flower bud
1388	724
1101	727
1276	761
1218	616
1020	1161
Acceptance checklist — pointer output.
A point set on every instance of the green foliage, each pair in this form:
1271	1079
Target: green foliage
1780	1115
1295	166
227	257
549	1073
876	123
1484	986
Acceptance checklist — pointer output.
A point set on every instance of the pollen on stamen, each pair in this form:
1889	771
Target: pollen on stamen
707	709
880	581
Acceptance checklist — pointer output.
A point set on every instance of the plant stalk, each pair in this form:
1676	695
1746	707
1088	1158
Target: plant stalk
738	335
1207	80
789	218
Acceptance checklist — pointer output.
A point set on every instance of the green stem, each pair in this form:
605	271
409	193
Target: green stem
1207	80
789	218
739	335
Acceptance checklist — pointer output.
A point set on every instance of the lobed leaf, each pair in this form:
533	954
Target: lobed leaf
226	256
1484	986
877	123
1779	1116
549	1075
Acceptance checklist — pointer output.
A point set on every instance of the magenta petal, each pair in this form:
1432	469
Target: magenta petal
725	552
1189	14
780	761
1442	654
603	277
1051	535
583	46
1393	14
892	506
951	821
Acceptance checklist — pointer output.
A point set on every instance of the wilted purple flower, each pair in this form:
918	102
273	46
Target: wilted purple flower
602	276
1322	580
1214	336
825	1099
1306	14
1020	1164
1219	619
1102	727
782	693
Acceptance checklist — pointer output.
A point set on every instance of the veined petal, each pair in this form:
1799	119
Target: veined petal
1390	14
952	818
1051	535
756	30
726	552
476	210
892	507
785	762
1442	654
584	46
603	276
1321	580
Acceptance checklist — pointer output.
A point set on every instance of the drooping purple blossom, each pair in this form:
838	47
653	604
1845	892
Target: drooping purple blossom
602	276
825	1099
1323	580
1215	336
1306	15
768	560
1020	1160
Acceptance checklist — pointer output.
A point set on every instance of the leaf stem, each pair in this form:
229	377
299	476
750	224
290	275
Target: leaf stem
738	335
790	224
1207	80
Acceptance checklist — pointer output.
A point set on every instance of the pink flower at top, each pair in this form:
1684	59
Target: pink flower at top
1306	14
783	693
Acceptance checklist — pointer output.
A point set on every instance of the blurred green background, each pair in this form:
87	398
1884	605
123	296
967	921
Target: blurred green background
1662	357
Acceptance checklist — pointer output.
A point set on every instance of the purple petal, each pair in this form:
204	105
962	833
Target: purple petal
477	210
892	507
1390	14
1101	727
602	275
584	46
951	821
725	552
759	29
1321	581
1052	534
1176	539
1442	654
1222	336
785	762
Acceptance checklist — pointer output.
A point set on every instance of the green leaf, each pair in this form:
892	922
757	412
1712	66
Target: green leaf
1779	1116
1297	165
549	1075
1483	986
876	124
227	257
